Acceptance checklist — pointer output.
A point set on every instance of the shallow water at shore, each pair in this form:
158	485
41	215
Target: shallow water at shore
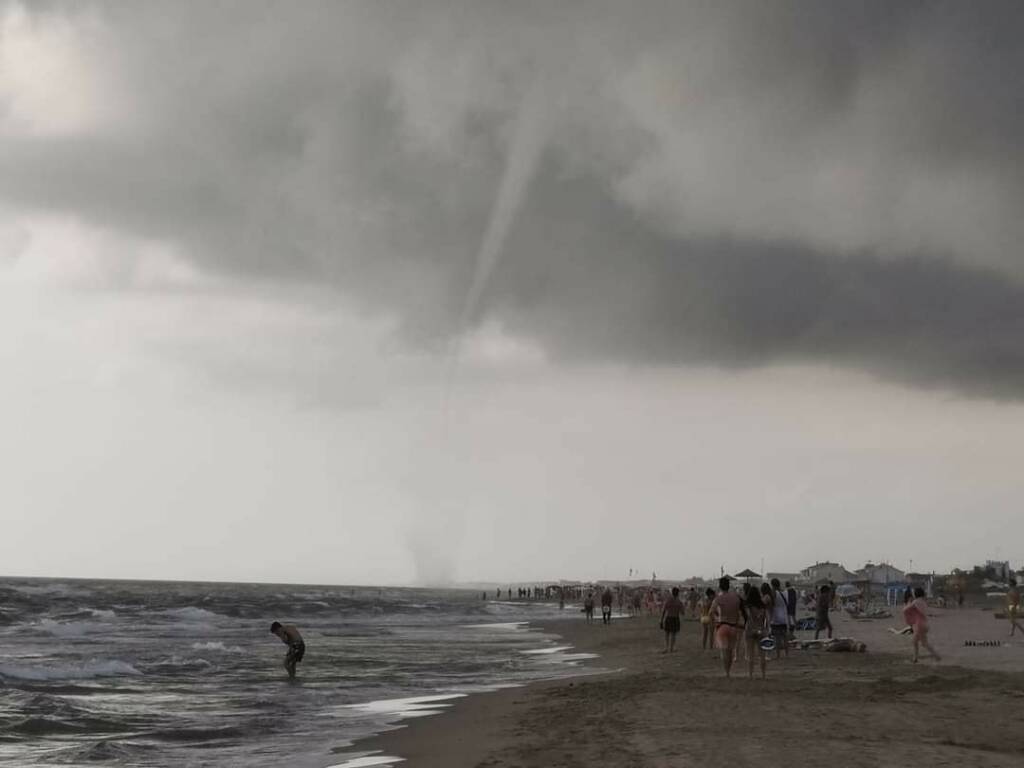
169	674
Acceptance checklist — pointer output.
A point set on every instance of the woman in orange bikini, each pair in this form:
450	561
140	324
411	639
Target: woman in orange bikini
727	610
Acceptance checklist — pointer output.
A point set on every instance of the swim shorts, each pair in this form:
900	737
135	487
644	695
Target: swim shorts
780	630
672	624
296	652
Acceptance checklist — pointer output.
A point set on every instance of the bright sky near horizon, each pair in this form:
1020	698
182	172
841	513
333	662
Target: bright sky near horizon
727	282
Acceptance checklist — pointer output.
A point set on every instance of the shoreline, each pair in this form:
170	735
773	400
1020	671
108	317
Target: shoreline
465	730
639	707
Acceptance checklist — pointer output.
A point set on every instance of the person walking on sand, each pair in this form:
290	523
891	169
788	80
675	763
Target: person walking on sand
606	606
727	610
791	599
756	630
707	630
588	606
821	619
290	636
915	613
692	598
779	620
1013	607
670	619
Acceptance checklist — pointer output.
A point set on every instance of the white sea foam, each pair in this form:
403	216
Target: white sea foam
100	613
217	646
417	706
368	760
70	629
552	649
193	615
85	671
498	625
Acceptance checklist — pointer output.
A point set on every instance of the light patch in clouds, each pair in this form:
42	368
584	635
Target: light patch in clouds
54	79
59	250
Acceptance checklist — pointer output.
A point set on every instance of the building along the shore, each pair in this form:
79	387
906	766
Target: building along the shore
819	573
882	573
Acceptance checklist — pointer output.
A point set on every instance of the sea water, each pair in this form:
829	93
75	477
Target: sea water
188	674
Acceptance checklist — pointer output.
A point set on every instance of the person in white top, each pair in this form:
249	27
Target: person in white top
779	619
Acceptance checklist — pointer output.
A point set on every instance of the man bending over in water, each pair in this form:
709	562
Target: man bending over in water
290	636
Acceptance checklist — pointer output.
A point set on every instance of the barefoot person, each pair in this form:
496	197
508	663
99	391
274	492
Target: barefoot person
588	606
707	629
606	606
779	619
727	610
670	614
755	631
821	619
915	613
290	636
1013	607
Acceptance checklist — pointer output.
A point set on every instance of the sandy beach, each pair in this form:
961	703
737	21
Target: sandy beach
642	708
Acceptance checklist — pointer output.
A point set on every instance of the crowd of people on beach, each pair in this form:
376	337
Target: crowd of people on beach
755	621
749	624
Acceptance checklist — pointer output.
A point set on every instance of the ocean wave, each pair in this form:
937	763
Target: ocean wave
217	646
88	670
57	590
176	662
71	629
105	751
42	725
199	734
191	614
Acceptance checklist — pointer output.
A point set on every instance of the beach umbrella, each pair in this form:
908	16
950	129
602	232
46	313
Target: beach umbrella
847	590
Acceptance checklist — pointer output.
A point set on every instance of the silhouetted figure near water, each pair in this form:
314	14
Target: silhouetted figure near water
821	618
606	606
290	636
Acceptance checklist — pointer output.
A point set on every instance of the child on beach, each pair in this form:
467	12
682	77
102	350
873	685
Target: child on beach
821	618
915	613
706	627
755	631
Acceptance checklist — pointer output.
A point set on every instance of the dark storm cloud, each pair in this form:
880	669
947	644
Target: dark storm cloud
726	183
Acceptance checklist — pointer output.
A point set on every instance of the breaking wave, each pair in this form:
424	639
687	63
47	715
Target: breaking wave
85	671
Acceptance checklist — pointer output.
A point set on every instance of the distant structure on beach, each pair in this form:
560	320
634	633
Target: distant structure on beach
882	573
1001	569
821	572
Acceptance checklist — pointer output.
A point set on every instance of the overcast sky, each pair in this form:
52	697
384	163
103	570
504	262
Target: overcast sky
392	292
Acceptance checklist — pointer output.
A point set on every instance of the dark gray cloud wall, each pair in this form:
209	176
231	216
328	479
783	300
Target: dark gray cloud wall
728	183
